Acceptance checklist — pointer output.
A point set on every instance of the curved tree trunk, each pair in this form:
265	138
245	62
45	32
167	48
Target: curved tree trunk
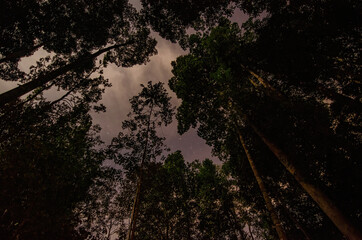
268	203
328	206
17	92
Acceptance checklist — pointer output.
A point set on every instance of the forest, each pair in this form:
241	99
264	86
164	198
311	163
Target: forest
277	97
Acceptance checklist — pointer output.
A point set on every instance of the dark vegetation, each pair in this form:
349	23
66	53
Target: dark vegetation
278	99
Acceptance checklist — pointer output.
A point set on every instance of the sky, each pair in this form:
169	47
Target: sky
126	83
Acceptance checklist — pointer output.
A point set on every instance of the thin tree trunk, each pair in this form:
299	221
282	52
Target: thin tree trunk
109	230
17	92
135	208
239	227
328	206
295	221
188	225
270	90
251	234
268	203
132	227
20	53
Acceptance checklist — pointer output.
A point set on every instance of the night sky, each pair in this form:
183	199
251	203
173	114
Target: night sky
126	83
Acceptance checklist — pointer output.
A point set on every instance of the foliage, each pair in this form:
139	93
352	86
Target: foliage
118	34
105	211
47	165
139	143
290	75
219	87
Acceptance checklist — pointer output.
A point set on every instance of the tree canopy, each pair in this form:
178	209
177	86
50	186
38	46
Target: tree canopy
277	97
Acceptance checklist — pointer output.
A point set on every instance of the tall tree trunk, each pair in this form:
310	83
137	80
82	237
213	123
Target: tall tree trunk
20	53
17	92
135	209
268	203
328	206
272	92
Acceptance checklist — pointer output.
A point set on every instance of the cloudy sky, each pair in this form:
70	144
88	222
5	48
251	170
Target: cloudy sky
126	83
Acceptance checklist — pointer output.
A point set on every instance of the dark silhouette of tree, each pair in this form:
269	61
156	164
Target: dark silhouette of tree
215	84
105	211
48	161
286	87
171	19
139	143
124	41
188	201
61	27
267	199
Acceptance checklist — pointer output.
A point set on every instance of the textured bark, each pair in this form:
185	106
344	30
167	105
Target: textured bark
17	92
268	203
328	206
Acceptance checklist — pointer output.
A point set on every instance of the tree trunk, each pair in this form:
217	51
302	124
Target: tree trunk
295	221
329	207
268	203
272	92
135	208
17	92
132	227
251	234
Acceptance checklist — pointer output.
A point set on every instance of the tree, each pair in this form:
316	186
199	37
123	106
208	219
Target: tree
61	27
105	211
213	69
125	43
216	216
267	199
141	145
165	212
172	19
188	201
47	165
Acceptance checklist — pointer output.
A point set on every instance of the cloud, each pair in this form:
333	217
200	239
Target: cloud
126	83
